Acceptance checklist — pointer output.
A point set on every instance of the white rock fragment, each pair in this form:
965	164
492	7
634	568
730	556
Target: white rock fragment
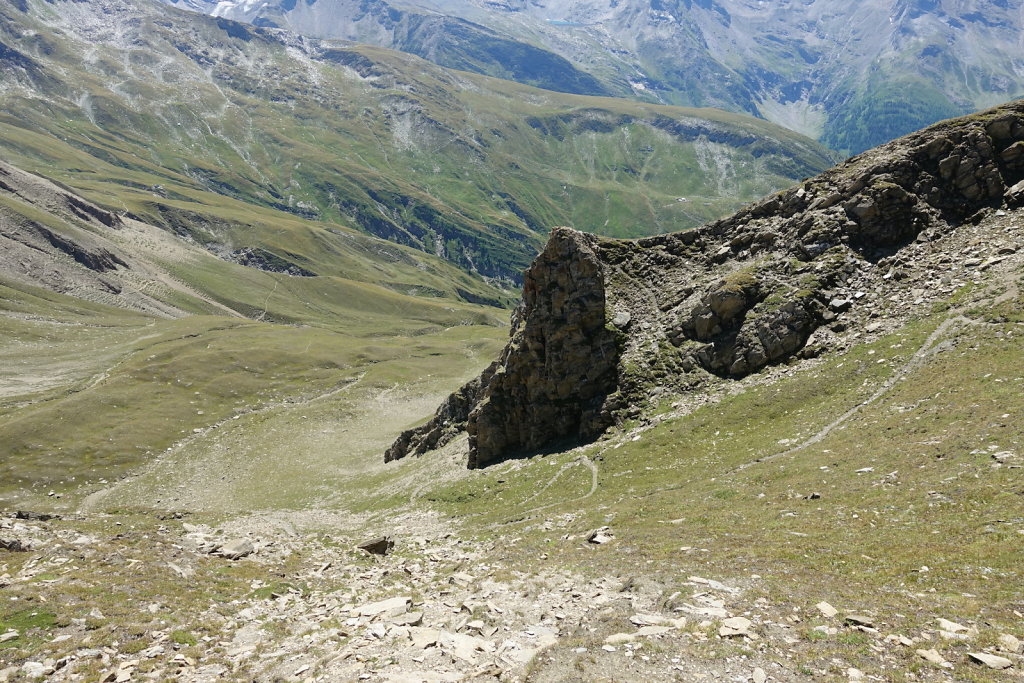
860	620
408	619
711	583
951	626
462	646
392	607
423	638
643	632
235	549
34	669
641	620
933	657
646	631
991	661
1009	643
735	626
827	609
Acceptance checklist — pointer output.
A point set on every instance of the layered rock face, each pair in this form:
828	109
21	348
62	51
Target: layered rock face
606	326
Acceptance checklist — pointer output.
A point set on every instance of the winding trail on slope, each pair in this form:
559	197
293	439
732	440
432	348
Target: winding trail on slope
915	361
532	512
90	502
1007	278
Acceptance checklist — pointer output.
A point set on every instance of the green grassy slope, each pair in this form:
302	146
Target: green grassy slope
899	512
89	392
179	117
904	511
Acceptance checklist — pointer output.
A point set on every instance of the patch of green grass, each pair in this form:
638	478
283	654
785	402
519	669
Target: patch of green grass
182	637
127	391
29	622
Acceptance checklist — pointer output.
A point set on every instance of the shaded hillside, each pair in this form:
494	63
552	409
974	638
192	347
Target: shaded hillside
54	239
607	327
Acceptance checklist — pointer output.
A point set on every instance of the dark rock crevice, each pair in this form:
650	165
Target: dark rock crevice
95	258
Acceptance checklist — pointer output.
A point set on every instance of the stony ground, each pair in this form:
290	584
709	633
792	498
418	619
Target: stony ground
129	595
273	596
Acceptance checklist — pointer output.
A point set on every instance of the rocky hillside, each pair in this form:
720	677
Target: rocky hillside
197	499
608	329
853	75
444	39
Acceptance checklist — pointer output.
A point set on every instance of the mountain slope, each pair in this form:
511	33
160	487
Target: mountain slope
188	122
120	339
852	75
446	40
263	218
608	327
853	514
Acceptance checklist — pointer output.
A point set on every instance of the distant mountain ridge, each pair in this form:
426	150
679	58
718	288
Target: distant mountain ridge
443	39
853	75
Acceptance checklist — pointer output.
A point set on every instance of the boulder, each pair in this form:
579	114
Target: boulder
991	661
378	546
391	607
235	549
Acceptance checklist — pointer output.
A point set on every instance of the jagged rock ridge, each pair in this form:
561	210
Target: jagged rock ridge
607	325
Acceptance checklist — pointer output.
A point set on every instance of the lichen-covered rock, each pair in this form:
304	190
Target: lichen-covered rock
608	325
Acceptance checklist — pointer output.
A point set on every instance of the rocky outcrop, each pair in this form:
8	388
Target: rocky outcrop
561	364
53	239
95	258
606	326
261	259
554	376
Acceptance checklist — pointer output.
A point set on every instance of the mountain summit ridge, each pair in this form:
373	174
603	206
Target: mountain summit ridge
852	75
607	327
